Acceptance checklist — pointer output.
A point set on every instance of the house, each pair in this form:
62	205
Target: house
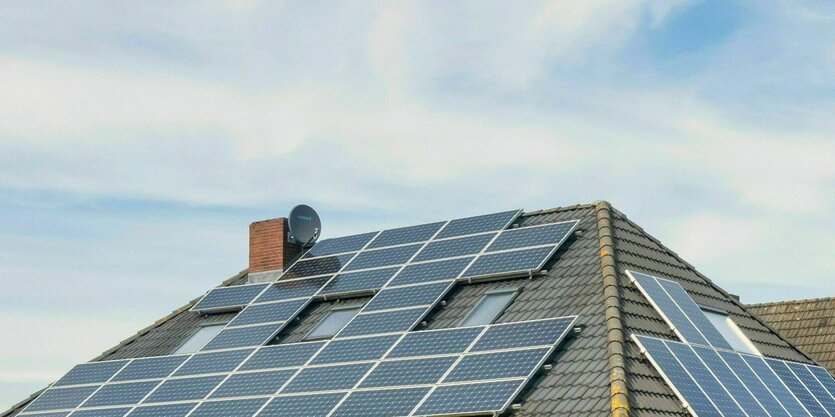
807	324
610	323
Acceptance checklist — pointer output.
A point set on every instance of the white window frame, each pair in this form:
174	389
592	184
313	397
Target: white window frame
730	325
309	337
513	293
221	325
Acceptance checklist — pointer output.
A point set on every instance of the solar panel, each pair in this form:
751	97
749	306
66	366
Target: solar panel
454	247
426	294
754	385
380	403
711	386
549	234
229	408
327	378
185	389
107	412
478	224
824	377
172	410
232	337
316	405
813	385
519	363
341	244
431	271
780	391
405	235
214	362
383	257
359	281
730	381
286	290
120	394
88	373
50	414
668	308
60	398
149	368
796	387
408	372
359	349
679	380
503	263
435	342
695	314
258	383
271	312
386	322
530	333
227	298
485	397
317	266
281	356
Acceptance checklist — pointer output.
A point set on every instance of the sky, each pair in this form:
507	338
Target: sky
139	139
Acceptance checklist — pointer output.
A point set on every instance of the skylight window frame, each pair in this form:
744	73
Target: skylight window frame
733	327
221	325
354	306
514	292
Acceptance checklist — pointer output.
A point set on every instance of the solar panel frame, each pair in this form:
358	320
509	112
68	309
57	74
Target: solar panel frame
720	397
380	403
813	385
508	390
383	322
542	332
477	224
104	412
184	389
327	378
91	373
824	377
67	397
797	387
432	271
405	372
304	405
411	296
123	393
530	236
269	312
342	244
355	349
405	235
314	267
281	356
669	310
756	386
378	258
213	362
293	288
498	365
229	298
455	247
694	314
166	410
150	367
253	383
229	408
513	262
435	342
359	281
676	377
730	380
238	337
779	389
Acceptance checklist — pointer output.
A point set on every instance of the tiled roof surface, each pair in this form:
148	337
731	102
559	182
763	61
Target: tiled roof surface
579	382
808	324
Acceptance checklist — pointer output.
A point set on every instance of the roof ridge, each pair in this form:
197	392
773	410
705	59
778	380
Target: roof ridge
615	343
796	301
713	285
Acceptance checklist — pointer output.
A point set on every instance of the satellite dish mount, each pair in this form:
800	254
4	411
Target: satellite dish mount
304	225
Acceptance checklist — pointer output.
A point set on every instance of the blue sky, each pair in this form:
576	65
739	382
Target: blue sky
137	141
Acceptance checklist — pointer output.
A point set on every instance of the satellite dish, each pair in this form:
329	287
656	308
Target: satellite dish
304	224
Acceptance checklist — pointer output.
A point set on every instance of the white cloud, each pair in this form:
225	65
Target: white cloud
708	237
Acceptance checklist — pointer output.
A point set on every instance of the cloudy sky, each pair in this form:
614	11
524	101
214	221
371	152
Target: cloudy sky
137	141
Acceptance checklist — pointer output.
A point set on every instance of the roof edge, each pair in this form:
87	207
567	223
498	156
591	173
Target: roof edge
797	301
615	343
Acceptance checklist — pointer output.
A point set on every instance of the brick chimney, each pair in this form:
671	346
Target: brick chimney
269	249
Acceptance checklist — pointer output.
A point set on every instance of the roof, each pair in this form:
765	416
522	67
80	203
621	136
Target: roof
598	372
808	324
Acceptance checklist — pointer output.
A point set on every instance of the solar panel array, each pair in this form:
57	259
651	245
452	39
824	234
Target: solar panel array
434	372
719	382
679	310
374	357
